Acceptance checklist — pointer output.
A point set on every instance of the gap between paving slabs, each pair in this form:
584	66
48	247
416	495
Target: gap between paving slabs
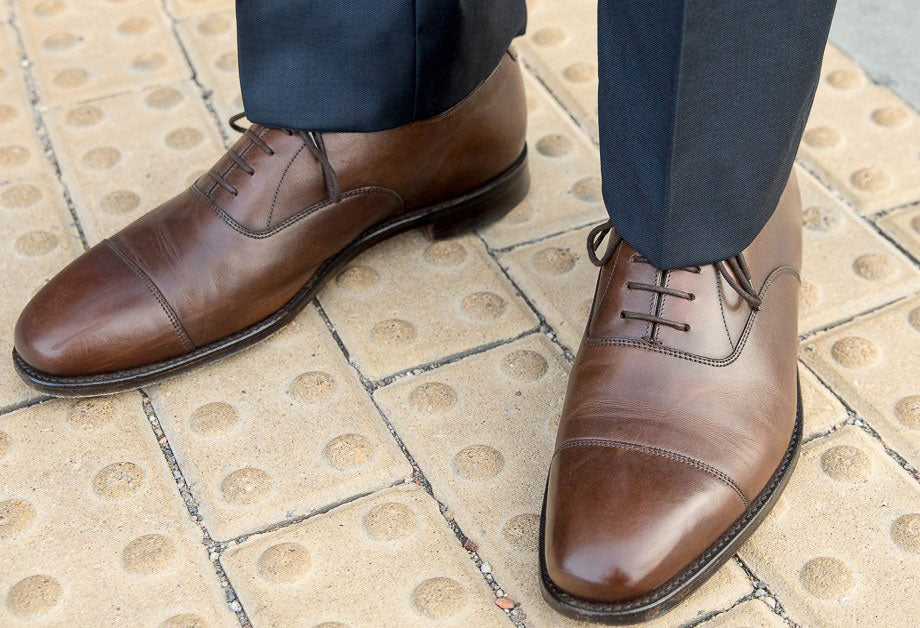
216	549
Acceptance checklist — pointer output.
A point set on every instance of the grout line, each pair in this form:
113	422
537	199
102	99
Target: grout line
516	615
213	547
858	420
450	359
764	593
890	239
27	403
535	74
545	326
41	130
812	333
321	510
206	94
538	239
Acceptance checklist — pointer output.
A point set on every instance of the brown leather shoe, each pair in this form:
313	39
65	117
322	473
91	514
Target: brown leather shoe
237	255
681	424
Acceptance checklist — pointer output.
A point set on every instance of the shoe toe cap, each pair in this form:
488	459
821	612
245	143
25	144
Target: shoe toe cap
97	315
621	522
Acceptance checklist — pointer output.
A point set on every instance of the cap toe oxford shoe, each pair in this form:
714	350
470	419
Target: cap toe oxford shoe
680	427
235	256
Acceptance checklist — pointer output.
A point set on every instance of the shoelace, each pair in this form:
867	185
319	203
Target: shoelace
313	141
734	270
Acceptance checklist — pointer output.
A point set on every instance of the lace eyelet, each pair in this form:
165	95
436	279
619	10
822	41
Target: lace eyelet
623	315
686	327
691	297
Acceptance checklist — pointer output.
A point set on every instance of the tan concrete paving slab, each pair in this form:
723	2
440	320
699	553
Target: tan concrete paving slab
561	46
210	39
559	279
821	409
186	8
847	268
92	529
121	156
482	430
872	363
410	301
277	431
750	614
21	153
862	138
904	228
842	546
565	189
37	238
83	49
384	560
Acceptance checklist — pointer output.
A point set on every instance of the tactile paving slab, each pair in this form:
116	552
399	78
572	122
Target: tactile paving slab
561	46
842	545
92	529
482	430
211	43
410	301
861	138
84	49
565	184
20	152
122	156
904	228
821	409
384	560
186	8
873	364
847	268
559	279
277	431
749	614
37	239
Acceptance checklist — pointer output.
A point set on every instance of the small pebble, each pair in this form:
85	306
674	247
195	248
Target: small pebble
769	601
235	606
486	568
505	603
470	546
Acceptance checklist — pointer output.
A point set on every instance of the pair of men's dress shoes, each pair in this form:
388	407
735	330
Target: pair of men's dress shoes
681	421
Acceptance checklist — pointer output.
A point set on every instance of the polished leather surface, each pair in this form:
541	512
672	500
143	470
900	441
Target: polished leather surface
208	263
668	435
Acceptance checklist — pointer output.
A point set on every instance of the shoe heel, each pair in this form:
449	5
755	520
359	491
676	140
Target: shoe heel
487	204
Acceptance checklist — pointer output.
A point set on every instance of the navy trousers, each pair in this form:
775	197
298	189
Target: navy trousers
702	103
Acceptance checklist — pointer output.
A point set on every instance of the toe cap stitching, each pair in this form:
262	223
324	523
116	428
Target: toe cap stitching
663	453
158	295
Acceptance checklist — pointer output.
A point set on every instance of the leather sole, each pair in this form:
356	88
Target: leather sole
489	202
685	582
